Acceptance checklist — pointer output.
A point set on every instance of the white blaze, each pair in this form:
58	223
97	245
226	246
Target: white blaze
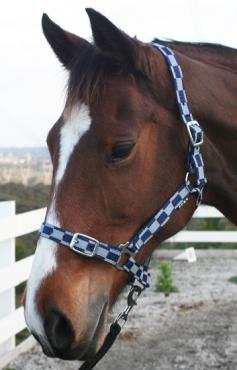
45	257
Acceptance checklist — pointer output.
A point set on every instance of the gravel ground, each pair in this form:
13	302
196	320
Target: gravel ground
194	329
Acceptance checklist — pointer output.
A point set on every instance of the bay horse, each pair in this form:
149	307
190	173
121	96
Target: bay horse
118	153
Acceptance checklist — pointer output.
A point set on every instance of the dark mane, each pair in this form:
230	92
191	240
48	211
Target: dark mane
196	44
93	67
207	52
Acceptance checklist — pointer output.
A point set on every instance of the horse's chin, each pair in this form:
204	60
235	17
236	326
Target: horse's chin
77	353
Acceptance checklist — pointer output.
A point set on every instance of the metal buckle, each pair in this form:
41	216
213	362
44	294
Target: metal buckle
84	253
193	123
124	251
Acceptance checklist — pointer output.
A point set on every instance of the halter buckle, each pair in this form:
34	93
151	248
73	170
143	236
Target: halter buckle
86	252
192	139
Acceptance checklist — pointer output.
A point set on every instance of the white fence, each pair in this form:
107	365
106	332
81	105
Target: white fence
13	273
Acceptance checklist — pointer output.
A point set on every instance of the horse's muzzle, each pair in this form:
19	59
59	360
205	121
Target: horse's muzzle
61	335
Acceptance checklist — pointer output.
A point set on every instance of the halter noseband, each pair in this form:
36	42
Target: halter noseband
92	248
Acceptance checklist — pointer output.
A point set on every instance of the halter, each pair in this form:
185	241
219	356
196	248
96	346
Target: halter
92	248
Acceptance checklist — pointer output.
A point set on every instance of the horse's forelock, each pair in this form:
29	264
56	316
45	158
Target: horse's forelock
88	73
94	67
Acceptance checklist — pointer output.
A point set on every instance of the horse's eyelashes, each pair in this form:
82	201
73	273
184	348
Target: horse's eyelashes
120	151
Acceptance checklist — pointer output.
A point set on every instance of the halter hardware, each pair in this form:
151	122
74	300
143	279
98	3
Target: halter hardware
192	126
133	295
90	247
88	252
124	251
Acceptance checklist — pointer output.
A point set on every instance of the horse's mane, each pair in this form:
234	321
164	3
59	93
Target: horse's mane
93	67
209	53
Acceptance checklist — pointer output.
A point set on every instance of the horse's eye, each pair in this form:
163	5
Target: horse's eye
120	151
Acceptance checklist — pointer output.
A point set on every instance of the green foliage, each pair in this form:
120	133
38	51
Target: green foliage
164	282
19	292
27	197
25	245
233	280
24	334
208	224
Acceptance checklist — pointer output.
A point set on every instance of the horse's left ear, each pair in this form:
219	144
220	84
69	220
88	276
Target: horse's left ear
66	45
110	39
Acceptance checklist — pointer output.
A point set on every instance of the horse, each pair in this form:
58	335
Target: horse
118	153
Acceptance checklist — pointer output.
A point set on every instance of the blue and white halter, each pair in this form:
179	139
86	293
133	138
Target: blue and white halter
92	248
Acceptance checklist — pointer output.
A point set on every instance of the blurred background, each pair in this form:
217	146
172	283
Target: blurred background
32	88
33	85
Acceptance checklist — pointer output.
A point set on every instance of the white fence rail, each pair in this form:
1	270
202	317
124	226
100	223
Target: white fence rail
13	273
187	236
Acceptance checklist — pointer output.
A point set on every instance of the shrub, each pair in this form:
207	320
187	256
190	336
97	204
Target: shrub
233	279
164	282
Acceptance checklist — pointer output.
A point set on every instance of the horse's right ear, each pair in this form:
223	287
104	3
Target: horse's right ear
66	45
112	40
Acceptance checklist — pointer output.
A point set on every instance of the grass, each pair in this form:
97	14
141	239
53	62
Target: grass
165	281
21	336
233	280
210	224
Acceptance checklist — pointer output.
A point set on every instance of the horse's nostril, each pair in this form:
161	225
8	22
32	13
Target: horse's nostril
59	331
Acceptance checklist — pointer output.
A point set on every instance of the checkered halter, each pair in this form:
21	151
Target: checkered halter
92	248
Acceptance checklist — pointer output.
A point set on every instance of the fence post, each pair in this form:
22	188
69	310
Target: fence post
7	257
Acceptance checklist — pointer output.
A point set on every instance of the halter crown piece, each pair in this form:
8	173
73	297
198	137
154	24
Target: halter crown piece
92	248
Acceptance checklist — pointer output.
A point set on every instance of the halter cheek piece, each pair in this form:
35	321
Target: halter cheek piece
92	248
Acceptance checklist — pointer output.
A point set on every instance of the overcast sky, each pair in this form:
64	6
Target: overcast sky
32	82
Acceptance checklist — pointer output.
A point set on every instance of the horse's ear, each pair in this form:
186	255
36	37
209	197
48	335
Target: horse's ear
109	38
65	44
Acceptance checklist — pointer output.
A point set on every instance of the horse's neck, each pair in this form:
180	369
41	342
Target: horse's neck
212	95
208	53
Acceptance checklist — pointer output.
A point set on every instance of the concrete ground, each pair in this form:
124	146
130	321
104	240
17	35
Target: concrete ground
194	329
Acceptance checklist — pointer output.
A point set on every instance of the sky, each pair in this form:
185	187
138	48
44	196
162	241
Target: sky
32	81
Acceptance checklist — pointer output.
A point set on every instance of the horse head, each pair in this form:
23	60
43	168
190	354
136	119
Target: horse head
118	152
